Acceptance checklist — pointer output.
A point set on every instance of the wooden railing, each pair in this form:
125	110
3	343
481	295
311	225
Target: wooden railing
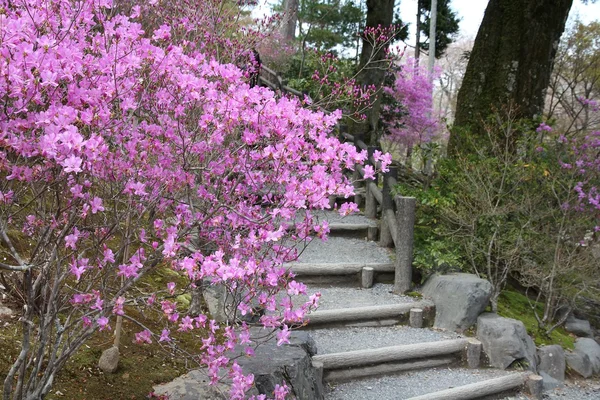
397	213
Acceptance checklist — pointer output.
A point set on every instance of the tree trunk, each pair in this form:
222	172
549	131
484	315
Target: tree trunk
510	65
290	18
379	13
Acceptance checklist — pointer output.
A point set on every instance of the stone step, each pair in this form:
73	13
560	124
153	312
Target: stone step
354	306
432	384
343	366
377	315
354	225
341	260
346	353
488	387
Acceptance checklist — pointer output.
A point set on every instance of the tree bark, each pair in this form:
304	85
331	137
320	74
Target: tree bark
290	19
510	65
379	13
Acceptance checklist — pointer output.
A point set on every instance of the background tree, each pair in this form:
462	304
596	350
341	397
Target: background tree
446	26
380	14
575	80
290	19
511	63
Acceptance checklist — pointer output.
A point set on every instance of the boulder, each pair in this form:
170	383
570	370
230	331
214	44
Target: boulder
5	312
592	350
551	361
579	327
109	360
458	298
193	385
550	383
271	365
579	363
505	341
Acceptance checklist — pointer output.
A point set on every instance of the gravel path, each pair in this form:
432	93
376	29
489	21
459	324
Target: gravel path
336	340
573	390
336	297
340	250
409	384
334	216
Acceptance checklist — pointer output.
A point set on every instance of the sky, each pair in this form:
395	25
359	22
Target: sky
470	12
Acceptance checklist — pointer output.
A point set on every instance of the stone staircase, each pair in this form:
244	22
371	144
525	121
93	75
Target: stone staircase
367	337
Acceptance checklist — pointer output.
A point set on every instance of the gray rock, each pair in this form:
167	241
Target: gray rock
5	312
505	341
579	327
458	298
579	363
550	383
552	362
271	365
592	349
109	360
191	386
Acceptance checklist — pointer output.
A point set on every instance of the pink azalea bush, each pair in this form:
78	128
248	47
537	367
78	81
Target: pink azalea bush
122	151
407	113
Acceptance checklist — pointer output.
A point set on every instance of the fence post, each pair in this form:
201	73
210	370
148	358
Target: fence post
405	215
387	203
357	178
370	201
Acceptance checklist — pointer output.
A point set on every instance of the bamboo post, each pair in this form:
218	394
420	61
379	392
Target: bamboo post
405	216
385	235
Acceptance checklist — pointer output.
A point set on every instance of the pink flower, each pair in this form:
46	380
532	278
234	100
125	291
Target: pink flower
165	336
71	240
96	205
283	335
171	287
144	336
72	164
118	307
103	323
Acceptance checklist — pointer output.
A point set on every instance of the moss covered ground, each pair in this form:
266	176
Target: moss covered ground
140	366
512	304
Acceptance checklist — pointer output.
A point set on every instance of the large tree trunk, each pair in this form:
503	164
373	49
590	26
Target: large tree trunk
290	18
510	65
379	12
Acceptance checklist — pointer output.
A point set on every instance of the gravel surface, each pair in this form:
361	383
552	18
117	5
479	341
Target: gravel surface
409	384
335	340
336	297
340	250
334	216
573	390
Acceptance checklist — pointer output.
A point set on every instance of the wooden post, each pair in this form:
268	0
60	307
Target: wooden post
415	318
473	353
370	201
373	233
535	386
366	279
405	215
387	203
357	178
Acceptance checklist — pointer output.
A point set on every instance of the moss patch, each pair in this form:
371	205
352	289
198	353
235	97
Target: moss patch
515	305
140	366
